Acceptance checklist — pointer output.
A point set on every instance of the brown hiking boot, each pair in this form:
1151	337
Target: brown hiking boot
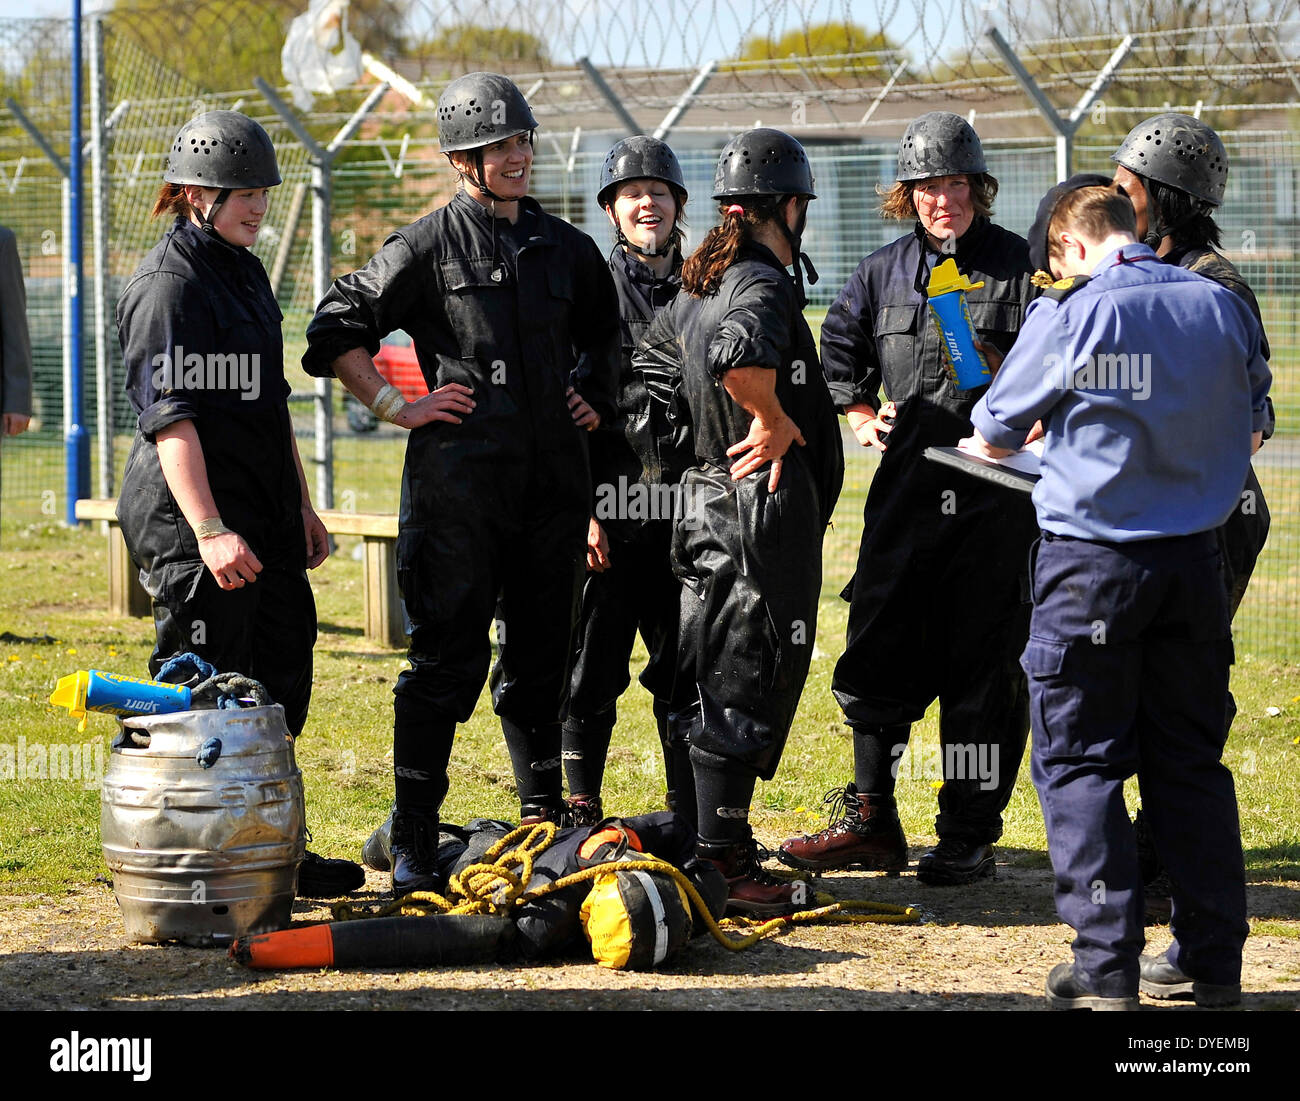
864	832
753	891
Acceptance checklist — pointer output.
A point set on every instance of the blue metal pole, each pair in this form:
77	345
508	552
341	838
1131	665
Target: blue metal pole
77	442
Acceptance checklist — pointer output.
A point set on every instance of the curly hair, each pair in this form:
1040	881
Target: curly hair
896	202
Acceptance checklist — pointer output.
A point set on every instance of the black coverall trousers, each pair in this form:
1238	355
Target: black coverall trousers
507	532
265	630
939	610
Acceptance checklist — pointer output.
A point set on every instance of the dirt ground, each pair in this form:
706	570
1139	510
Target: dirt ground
985	946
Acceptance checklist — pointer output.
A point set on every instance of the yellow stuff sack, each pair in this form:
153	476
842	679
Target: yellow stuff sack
635	920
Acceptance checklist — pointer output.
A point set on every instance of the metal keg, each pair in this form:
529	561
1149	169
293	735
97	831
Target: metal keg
201	820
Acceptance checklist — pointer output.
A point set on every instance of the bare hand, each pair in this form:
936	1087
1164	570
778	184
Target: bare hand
978	445
992	356
14	423
1036	433
230	559
441	405
584	416
870	427
764	443
597	548
318	539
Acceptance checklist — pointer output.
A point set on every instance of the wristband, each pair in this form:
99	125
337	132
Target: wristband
388	403
211	528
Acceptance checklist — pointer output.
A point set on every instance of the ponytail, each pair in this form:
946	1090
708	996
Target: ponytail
171	199
703	270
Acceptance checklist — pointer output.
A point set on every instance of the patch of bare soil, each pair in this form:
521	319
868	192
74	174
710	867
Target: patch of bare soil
985	946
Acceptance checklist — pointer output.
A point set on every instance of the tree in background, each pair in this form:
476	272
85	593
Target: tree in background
222	45
826	40
468	43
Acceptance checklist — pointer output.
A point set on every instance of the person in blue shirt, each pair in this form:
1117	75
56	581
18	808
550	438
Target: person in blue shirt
1151	389
1174	169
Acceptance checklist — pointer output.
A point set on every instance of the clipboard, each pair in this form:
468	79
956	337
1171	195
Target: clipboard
989	469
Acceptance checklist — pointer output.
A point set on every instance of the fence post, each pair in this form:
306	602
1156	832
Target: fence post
607	93
99	203
1065	127
322	194
76	442
687	97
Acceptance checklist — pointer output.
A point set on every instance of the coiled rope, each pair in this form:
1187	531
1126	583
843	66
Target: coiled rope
497	884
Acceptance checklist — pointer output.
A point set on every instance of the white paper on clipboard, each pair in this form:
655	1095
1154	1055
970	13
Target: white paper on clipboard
1026	461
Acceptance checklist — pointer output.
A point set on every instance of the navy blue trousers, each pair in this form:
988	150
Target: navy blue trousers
1128	660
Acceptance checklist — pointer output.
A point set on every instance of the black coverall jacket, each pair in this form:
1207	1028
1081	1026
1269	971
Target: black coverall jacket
498	504
1243	534
208	306
938	604
639	589
750	559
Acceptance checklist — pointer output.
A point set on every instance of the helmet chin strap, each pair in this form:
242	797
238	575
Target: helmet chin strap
1157	231
205	220
621	238
649	253
475	175
800	259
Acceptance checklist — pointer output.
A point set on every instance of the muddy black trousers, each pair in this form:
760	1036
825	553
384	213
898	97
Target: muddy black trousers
750	564
515	573
638	592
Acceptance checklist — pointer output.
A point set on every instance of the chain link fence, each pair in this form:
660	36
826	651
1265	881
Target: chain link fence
390	173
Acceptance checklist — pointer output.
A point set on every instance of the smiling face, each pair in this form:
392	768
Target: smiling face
239	218
944	206
506	166
646	211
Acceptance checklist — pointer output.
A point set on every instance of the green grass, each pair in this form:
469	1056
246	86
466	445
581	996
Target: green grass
52	603
53	618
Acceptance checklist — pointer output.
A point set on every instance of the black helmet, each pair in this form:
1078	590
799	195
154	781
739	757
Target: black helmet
481	108
939	144
639	158
222	149
763	162
1180	151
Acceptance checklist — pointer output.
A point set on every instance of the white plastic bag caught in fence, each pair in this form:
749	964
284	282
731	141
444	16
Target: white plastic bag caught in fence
319	54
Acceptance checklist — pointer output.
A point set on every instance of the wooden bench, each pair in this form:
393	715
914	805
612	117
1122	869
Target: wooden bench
385	623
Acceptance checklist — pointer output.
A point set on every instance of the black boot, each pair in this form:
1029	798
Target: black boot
585	810
322	877
956	861
375	852
414	851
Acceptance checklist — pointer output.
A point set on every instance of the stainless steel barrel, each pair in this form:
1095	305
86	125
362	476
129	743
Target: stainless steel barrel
201	820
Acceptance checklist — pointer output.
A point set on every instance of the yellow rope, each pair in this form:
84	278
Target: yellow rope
491	886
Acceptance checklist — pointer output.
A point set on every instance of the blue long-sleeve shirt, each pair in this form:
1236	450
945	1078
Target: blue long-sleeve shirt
1149	381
